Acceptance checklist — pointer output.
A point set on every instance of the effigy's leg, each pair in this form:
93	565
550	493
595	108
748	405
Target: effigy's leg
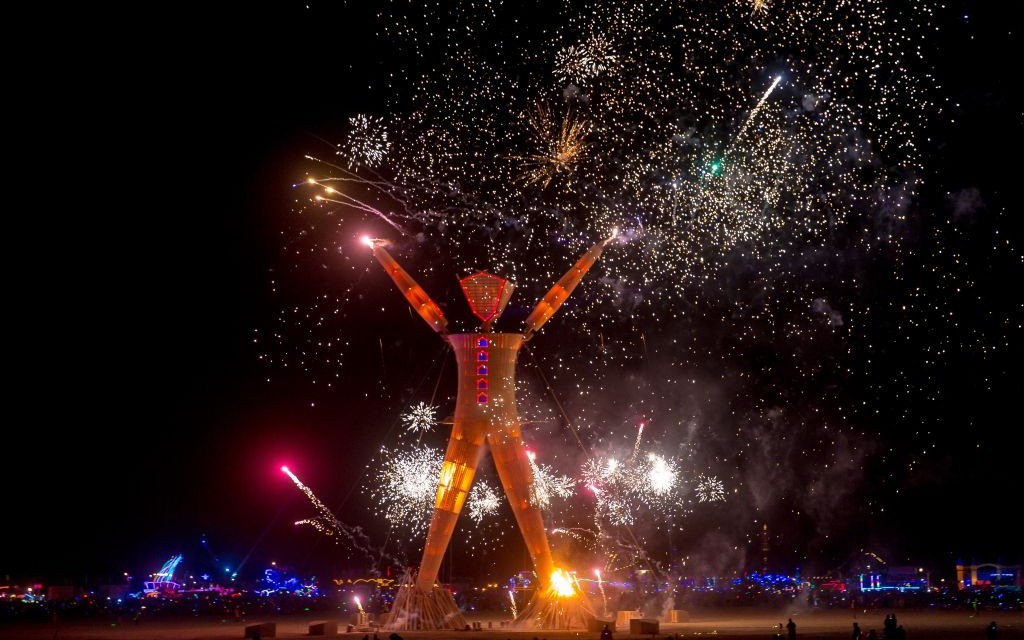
516	475
465	447
558	603
420	605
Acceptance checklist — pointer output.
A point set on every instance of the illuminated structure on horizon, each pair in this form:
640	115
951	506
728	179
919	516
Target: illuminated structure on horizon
163	580
485	415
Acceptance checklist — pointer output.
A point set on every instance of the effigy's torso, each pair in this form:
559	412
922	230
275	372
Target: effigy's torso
485	410
487	380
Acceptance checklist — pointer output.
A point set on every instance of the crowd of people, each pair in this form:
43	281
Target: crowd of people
244	604
133	610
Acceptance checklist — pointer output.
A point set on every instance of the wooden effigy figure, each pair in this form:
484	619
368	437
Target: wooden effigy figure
485	415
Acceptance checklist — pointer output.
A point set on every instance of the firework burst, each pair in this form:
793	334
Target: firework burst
585	61
559	143
420	419
367	141
758	6
483	501
547	484
405	486
659	477
701	132
710	489
743	151
608	480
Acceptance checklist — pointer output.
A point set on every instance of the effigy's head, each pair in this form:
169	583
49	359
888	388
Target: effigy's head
487	295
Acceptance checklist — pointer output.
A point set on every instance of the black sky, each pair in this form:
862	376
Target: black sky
159	149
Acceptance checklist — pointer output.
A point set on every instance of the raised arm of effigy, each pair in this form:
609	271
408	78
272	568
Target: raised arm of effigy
561	290
413	292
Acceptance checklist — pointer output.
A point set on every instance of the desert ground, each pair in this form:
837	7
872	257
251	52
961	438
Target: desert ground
731	624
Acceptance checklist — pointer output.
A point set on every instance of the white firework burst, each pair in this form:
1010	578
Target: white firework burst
578	63
406	486
612	505
603	472
367	141
658	478
710	489
483	501
608	479
547	484
420	419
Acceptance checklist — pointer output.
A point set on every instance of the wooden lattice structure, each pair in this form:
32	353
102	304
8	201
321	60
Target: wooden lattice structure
485	415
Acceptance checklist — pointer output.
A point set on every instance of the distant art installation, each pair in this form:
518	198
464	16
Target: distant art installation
485	413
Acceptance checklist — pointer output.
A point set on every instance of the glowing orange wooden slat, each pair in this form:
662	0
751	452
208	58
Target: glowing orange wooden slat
561	290
414	293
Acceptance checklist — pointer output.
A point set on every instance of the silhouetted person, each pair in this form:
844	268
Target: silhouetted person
791	629
872	635
900	633
606	633
395	636
991	632
889	626
856	632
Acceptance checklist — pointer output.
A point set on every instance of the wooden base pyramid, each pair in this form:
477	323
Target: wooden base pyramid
417	610
548	610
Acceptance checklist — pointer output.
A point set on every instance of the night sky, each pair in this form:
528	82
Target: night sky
154	260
